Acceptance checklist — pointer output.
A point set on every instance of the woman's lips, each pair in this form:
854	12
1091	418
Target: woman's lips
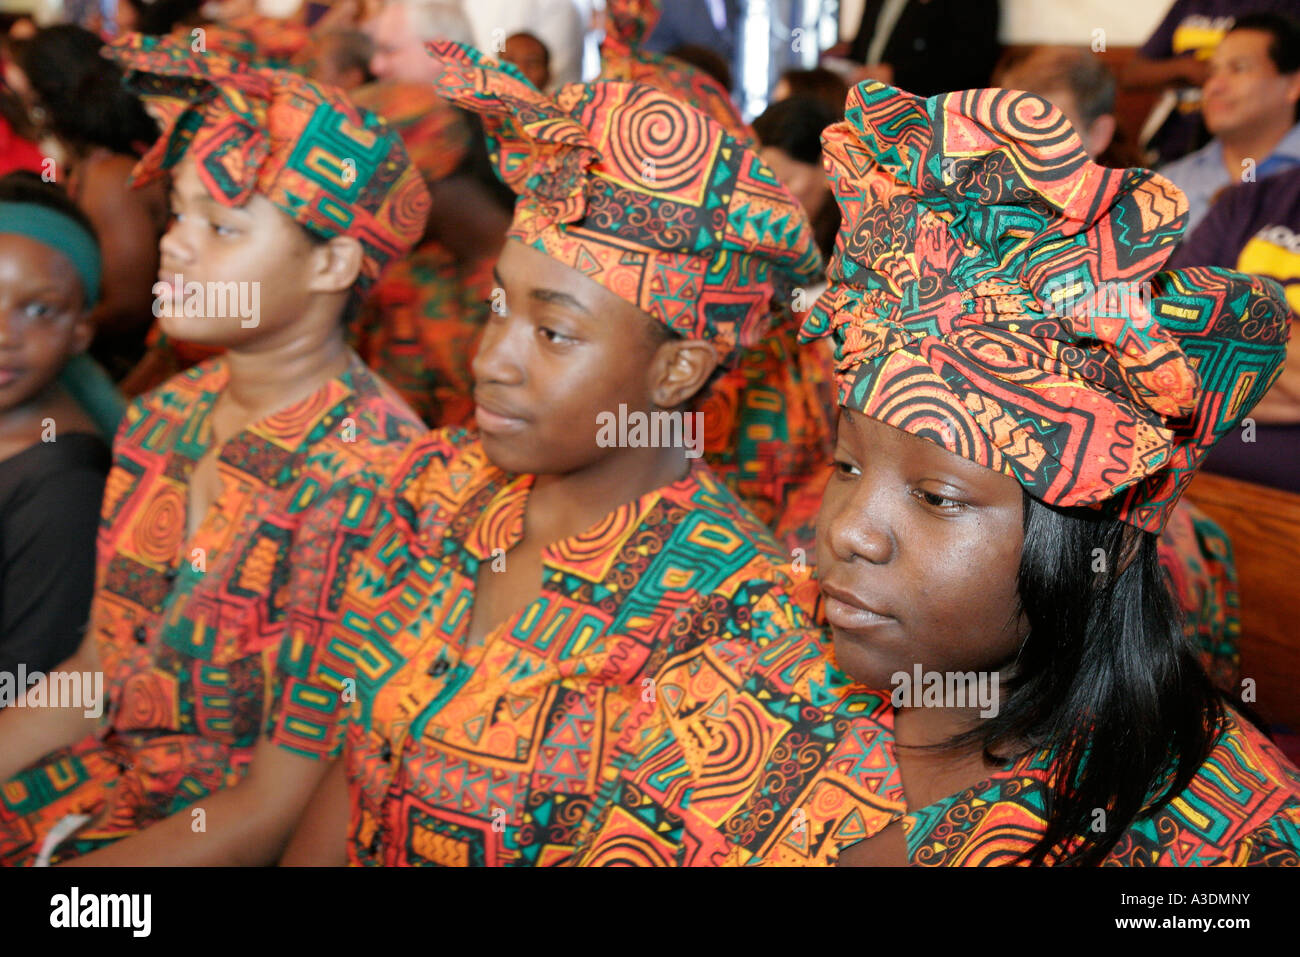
9	375
846	612
495	422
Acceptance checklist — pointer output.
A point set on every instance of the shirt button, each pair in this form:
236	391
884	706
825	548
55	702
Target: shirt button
170	574
438	668
386	755
141	634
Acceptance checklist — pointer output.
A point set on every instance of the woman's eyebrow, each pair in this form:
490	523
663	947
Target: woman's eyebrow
557	298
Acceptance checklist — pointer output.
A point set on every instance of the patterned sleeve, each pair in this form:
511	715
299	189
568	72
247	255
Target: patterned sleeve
315	669
735	732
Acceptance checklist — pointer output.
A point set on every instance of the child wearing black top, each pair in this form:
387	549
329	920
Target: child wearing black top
52	458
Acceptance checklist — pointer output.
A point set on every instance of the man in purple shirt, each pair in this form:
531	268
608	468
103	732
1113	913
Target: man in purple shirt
1249	102
1255	228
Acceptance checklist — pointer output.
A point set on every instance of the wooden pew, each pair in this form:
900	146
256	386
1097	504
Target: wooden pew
1264	526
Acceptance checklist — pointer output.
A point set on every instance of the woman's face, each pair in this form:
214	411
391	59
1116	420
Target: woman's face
248	263
918	552
43	319
558	350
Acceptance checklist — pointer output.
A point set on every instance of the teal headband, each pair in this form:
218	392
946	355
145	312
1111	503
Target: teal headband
62	234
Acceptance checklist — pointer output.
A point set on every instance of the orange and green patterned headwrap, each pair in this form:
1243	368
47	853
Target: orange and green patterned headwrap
436	134
627	24
642	194
333	168
996	292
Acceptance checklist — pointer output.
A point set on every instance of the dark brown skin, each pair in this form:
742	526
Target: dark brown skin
527	52
566	350
297	346
43	323
128	222
918	552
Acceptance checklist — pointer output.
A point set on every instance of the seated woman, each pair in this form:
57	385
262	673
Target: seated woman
52	459
533	575
1005	679
230	510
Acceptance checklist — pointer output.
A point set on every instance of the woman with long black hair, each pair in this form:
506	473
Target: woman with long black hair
1005	679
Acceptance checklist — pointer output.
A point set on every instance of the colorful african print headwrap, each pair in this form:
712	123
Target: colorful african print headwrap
627	24
988	293
642	194
436	134
333	168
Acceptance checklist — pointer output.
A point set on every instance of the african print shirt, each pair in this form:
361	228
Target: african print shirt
490	751
769	429
209	644
769	755
420	328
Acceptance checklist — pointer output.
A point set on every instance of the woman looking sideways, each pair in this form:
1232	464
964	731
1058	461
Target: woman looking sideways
1005	458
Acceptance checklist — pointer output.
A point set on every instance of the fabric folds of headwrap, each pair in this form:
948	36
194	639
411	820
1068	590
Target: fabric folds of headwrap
436	134
642	194
333	168
627	25
992	291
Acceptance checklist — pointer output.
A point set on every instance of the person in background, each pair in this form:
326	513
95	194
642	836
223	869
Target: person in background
53	459
823	85
625	57
18	149
1255	228
339	58
926	46
76	97
1175	60
557	23
157	18
712	24
531	56
703	58
1249	102
790	133
232	507
1078	83
401	28
420	326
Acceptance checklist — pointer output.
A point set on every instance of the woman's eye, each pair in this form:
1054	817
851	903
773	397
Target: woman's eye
224	230
846	468
938	501
550	335
38	310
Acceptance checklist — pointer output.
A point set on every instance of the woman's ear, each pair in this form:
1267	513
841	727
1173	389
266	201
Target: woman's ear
680	369
83	333
337	264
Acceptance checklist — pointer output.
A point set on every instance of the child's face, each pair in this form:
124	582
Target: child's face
918	552
242	269
43	320
565	350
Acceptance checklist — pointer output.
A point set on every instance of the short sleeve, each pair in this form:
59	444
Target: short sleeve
315	669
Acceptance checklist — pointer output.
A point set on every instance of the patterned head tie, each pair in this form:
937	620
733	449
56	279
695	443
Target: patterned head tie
333	168
995	292
642	194
436	134
627	25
